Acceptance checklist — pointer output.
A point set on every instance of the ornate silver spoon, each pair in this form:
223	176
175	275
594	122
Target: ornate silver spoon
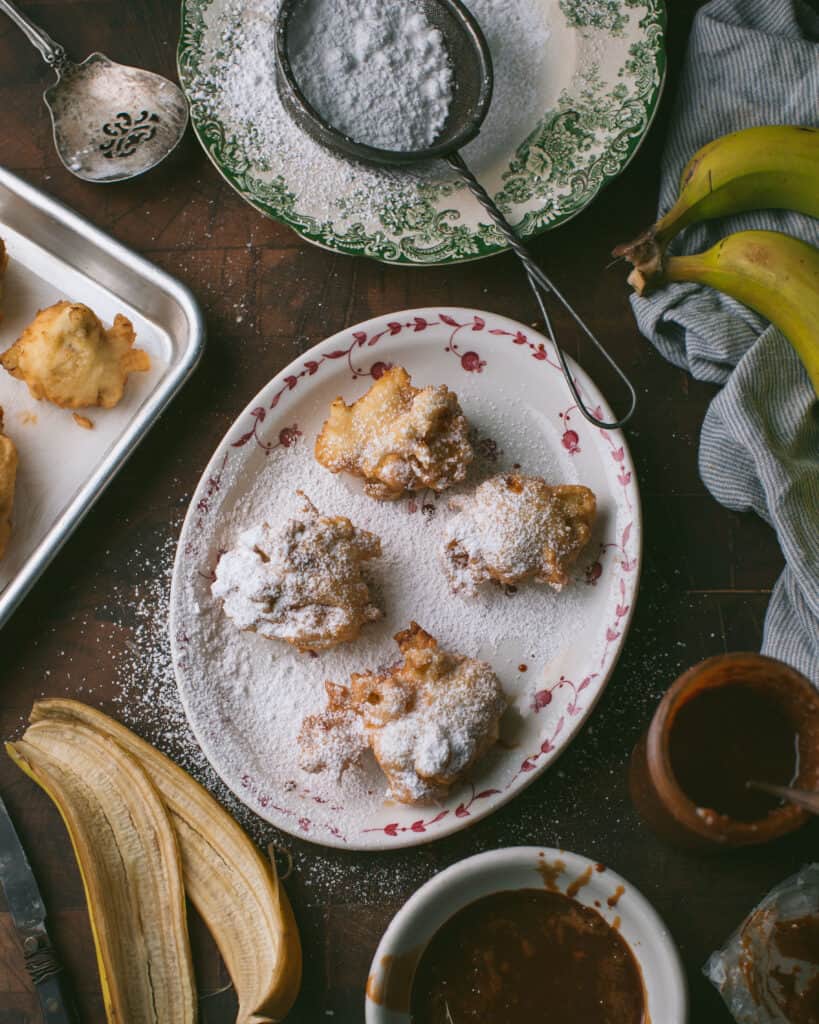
110	121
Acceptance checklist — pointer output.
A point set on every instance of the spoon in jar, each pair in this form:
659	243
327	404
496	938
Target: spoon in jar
110	121
799	797
471	61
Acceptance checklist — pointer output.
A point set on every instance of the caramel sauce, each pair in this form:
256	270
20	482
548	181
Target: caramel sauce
550	872
392	985
579	882
799	938
799	1004
614	899
798	991
724	736
524	956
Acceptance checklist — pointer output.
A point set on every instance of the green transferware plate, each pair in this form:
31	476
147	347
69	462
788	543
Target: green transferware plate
568	118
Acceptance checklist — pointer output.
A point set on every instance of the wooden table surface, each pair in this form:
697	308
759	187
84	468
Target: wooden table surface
268	296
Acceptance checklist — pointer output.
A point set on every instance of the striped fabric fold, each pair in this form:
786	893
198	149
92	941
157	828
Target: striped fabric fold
749	62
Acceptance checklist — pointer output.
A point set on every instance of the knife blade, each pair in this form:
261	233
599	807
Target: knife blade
28	914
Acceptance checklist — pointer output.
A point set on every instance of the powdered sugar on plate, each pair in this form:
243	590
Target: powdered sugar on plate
247	696
571	102
376	71
235	86
265	690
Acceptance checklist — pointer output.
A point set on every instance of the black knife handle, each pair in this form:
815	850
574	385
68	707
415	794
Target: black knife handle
46	972
55	1001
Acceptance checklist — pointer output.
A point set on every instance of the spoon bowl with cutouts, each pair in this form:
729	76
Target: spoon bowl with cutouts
111	121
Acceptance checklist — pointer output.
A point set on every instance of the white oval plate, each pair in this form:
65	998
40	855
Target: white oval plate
245	696
527	867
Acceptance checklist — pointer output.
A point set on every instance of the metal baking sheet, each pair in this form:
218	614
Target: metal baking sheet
55	254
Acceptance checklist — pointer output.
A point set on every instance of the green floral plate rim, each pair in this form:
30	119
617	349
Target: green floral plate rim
585	140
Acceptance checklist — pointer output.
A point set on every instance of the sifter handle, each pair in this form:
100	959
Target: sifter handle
541	286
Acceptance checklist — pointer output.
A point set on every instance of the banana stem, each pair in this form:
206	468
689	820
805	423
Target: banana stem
676	268
647	252
684	268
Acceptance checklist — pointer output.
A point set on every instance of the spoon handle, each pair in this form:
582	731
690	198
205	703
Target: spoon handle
800	797
52	53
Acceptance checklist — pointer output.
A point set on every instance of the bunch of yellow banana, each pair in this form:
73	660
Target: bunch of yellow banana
772	167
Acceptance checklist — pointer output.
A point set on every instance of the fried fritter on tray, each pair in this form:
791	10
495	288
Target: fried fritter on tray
67	357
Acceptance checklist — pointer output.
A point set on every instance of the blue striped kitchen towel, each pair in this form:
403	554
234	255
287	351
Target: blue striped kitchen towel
749	62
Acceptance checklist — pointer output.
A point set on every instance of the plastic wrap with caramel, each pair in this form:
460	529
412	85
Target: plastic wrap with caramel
768	971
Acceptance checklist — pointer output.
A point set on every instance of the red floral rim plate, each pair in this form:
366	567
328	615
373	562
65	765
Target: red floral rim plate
500	369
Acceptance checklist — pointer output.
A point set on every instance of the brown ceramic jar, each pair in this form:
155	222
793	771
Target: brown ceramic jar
655	790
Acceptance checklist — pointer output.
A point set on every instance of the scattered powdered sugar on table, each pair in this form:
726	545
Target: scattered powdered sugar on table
235	85
376	70
148	699
248	696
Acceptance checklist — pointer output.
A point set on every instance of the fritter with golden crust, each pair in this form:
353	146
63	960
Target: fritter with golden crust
398	438
334	739
302	582
515	528
8	476
67	357
427	720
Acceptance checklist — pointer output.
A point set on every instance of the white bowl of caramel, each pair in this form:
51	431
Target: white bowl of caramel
509	935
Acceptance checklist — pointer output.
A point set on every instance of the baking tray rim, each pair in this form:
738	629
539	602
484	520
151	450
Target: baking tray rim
154	405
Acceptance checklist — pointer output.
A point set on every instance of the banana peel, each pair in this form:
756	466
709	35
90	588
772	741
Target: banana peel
234	889
130	865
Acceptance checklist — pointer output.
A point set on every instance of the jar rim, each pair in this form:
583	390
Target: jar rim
763	674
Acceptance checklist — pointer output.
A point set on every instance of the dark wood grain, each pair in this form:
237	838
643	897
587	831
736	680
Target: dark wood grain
708	572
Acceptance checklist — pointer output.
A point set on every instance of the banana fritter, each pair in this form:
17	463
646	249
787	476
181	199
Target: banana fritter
398	438
427	720
67	357
515	528
301	582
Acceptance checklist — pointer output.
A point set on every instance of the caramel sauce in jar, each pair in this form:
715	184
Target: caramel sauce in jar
723	737
730	719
